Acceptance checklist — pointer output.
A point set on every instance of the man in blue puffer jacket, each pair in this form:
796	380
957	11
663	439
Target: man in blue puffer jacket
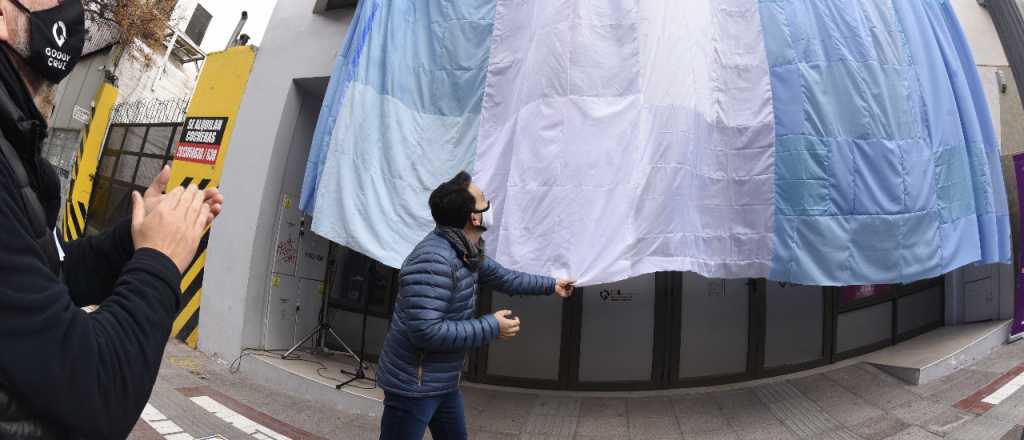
435	321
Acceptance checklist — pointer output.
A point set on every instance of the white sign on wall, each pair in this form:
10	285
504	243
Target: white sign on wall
81	115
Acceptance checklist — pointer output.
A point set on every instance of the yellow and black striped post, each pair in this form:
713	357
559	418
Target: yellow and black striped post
199	158
83	173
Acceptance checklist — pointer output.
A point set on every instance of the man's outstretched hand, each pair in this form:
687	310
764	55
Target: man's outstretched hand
211	196
564	287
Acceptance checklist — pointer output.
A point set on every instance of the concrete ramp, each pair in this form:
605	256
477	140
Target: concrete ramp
940	352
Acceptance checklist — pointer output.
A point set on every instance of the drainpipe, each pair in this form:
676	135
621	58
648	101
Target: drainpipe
238	30
1009	23
163	63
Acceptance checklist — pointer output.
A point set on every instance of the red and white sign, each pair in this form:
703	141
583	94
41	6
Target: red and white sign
200	140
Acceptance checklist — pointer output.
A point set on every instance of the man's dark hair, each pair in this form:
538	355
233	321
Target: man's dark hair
452	203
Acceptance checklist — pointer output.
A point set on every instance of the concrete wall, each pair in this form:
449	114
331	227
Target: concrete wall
1011	115
135	80
981	33
297	44
79	89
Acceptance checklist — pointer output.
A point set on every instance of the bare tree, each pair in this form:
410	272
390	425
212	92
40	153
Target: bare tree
139	25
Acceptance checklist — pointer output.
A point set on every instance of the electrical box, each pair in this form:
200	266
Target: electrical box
312	260
981	300
311	296
281	312
286	246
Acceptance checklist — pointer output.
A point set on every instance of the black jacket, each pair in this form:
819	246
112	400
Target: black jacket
86	376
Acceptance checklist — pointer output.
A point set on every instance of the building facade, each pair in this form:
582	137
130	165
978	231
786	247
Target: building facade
266	272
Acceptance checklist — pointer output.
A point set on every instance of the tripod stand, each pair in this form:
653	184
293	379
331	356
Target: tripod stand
360	372
323	326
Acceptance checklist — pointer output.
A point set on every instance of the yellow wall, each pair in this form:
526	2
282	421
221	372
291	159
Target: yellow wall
84	171
218	94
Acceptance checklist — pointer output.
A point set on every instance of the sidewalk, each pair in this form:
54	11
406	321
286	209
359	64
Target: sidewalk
849	403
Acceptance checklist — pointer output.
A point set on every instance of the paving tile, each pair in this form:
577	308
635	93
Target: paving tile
803	417
1008	413
738	400
551	425
771	431
969	382
750	419
617	427
841	434
714	435
603	408
851	410
914	433
513	402
475	398
1011	409
879	428
777	392
495	420
981	428
888	397
744	410
699	415
852	377
946	421
657	407
599	437
487	435
872	386
654	428
555	406
544	437
917	411
818	387
358	434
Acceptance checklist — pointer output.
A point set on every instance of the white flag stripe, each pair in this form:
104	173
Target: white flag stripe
620	138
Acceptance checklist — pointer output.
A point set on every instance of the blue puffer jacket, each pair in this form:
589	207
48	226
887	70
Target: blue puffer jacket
435	321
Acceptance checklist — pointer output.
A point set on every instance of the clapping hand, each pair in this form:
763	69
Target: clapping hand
211	196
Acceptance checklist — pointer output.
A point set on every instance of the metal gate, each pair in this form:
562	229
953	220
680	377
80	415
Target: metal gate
132	157
61	149
140	141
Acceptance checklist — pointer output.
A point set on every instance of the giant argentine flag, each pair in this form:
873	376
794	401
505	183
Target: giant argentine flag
826	142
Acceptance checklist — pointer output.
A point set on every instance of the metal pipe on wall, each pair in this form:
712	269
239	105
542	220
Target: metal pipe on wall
1009	23
238	30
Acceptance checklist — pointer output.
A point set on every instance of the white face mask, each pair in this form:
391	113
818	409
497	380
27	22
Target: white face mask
487	219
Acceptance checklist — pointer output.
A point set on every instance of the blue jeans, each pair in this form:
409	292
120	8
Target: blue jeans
407	418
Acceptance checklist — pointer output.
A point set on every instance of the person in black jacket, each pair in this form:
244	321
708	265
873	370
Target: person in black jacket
65	373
